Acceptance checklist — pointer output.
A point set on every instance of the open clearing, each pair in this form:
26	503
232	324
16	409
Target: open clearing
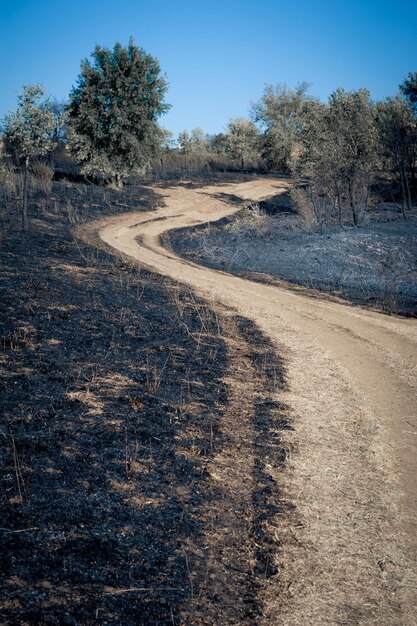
373	264
350	555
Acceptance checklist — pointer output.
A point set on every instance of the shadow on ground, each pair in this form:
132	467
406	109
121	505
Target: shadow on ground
112	400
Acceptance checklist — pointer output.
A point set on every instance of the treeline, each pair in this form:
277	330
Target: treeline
335	151
110	129
236	149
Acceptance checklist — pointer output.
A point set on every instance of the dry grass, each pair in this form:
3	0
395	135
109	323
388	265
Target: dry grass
138	426
41	178
342	562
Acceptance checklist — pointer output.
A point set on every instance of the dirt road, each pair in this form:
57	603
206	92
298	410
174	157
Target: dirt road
351	377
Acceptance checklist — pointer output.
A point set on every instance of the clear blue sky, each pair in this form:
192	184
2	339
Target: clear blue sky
217	55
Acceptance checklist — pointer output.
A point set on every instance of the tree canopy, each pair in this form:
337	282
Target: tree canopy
242	140
30	128
113	112
409	89
279	112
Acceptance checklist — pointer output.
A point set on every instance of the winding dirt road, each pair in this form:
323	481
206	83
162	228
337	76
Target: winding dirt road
351	377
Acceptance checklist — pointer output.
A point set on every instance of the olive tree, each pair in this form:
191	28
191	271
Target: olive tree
113	112
242	140
198	142
279	112
29	132
398	132
340	151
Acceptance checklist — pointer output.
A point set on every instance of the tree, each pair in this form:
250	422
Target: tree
280	112
184	142
113	112
353	130
340	150
167	142
198	142
193	144
398	132
409	89
58	109
218	143
242	140
29	133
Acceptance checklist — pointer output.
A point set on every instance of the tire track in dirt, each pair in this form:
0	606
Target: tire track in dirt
355	417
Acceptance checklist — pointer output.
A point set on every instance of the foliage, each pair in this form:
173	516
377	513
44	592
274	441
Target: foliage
184	140
409	89
198	142
29	129
280	112
58	108
242	140
29	133
398	133
218	144
339	153
167	140
113	112
194	143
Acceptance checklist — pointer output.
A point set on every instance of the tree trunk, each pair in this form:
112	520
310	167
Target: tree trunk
339	201
319	218
368	193
400	170
407	190
352	204
25	195
412	168
118	181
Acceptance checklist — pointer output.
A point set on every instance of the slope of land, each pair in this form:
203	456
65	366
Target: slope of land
350	555
135	429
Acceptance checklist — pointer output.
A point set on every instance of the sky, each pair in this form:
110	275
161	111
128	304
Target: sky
217	55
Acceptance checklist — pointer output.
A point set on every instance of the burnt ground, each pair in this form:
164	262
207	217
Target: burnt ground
373	265
137	426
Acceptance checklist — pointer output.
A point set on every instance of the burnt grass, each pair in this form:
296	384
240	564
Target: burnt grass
373	265
112	395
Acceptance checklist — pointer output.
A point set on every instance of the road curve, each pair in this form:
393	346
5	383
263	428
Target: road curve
351	389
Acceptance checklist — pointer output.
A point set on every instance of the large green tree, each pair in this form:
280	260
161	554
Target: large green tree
29	132
113	112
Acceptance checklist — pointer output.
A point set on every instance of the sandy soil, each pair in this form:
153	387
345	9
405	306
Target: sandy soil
351	556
